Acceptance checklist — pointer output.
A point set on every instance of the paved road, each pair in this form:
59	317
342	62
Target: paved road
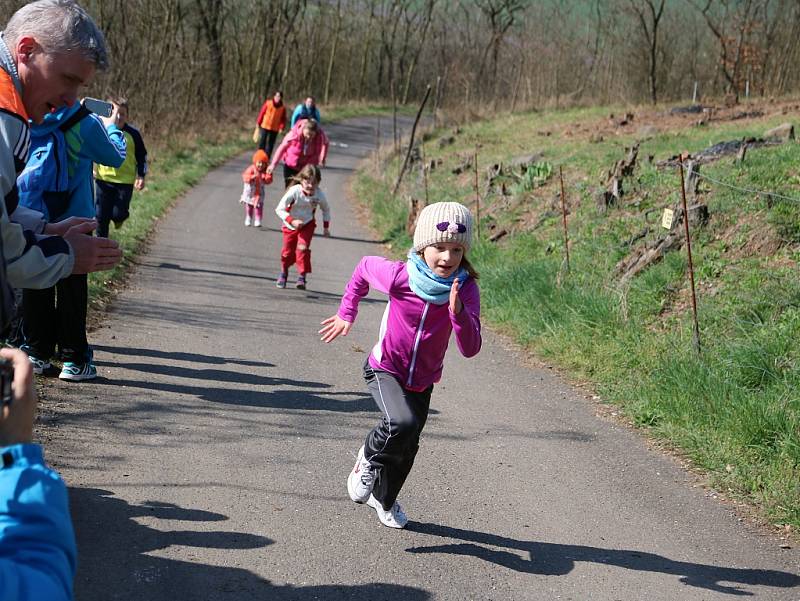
209	461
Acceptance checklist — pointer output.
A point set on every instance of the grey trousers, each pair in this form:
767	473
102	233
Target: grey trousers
392	445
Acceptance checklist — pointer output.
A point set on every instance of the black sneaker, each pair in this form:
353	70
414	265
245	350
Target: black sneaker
301	282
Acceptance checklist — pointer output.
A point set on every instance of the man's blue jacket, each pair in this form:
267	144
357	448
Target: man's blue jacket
37	544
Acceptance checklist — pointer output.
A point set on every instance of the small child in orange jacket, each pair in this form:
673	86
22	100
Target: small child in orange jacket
255	178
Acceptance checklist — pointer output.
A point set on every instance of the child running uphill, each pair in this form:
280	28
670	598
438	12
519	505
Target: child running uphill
114	186
431	294
255	178
297	211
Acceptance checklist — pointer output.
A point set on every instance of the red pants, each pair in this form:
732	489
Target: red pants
297	248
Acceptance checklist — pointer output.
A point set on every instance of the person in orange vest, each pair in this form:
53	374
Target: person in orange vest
271	121
49	50
41	70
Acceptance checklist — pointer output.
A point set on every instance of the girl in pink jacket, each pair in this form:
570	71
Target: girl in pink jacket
431	294
305	144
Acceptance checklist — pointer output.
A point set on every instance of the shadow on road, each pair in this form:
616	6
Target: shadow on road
132	571
557	560
303	399
215	375
343	238
232	274
178	356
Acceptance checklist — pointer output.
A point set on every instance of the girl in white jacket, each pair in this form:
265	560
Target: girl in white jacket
297	212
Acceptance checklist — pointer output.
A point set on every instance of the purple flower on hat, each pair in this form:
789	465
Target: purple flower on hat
452	228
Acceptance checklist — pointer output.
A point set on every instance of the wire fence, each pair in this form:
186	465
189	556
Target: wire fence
747	190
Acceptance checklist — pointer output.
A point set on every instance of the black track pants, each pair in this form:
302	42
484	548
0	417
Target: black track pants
57	315
392	445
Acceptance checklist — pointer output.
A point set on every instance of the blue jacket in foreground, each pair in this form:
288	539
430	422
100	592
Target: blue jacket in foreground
37	543
89	141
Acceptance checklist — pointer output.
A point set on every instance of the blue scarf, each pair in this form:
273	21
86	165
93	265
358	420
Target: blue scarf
427	285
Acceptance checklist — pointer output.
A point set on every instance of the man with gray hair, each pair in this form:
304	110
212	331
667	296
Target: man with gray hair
48	51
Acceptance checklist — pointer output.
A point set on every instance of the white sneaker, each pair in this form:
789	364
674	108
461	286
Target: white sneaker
247	221
361	479
257	223
40	366
394	518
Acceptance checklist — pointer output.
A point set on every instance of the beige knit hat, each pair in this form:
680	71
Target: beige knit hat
443	222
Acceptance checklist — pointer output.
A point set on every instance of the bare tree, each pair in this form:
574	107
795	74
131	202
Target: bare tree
649	13
211	18
501	15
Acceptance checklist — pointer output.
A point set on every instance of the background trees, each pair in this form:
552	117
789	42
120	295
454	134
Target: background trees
195	61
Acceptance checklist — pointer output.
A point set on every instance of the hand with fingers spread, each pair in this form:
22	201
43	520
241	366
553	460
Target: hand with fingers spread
455	303
333	327
91	254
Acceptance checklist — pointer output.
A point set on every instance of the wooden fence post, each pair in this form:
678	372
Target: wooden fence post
411	141
695	325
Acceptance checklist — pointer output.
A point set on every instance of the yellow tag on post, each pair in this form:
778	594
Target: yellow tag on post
666	219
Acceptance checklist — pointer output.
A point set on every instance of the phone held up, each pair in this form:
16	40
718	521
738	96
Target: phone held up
98	107
6	377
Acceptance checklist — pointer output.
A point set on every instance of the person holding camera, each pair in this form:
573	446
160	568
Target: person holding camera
57	315
38	553
49	50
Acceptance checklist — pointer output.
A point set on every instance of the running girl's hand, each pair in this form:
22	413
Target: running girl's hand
333	327
455	303
297	223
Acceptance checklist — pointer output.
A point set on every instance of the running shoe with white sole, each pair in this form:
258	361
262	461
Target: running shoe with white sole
39	365
361	479
78	372
394	518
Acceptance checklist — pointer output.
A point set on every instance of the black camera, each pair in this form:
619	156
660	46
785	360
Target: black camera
6	377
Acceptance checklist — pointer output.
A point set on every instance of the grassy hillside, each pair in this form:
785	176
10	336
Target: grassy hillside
734	410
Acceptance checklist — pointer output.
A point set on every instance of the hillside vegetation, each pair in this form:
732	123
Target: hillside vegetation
734	408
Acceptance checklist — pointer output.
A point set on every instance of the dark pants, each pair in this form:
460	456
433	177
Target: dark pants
393	444
288	174
57	315
112	203
266	140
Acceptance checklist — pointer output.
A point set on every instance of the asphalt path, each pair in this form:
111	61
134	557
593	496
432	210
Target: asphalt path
208	461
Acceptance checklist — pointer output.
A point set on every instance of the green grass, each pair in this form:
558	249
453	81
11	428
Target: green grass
734	410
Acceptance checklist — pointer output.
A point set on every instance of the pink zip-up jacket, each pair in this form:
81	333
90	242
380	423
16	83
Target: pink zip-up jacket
297	152
414	334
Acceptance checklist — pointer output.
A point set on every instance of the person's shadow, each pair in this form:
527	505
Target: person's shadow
553	559
118	559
